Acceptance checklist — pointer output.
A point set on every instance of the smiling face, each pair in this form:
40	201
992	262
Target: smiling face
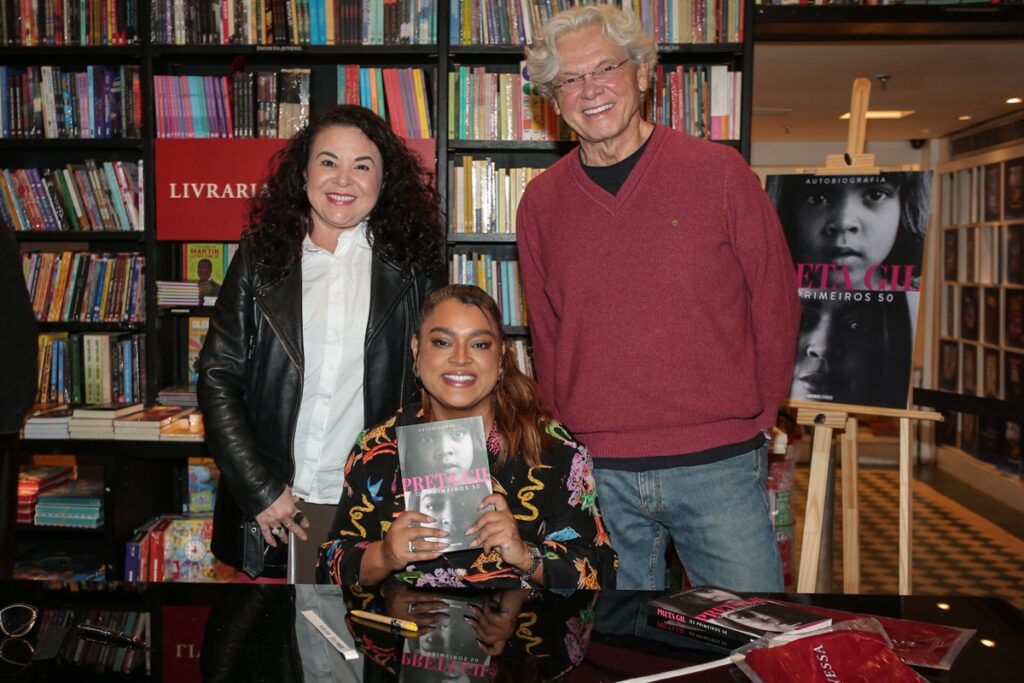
847	225
458	351
606	115
343	180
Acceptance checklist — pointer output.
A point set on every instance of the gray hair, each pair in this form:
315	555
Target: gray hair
623	27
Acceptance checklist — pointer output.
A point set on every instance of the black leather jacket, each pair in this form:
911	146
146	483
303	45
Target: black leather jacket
250	383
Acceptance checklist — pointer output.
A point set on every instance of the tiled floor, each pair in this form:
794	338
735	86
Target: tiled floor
955	551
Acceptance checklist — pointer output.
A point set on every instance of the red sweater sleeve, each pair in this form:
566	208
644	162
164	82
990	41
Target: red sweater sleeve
764	256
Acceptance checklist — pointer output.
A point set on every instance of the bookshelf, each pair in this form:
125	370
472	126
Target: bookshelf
187	66
980	348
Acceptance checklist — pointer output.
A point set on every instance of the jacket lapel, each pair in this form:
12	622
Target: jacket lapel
387	288
281	304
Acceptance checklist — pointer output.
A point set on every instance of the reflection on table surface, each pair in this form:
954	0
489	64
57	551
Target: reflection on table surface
218	632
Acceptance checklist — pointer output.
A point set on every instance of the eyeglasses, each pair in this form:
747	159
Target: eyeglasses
602	75
16	621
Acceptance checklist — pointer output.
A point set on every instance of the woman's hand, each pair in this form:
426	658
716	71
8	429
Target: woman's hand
423	608
281	516
496	621
404	544
497	530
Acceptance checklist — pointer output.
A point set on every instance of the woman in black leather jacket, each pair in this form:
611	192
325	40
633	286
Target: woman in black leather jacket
343	243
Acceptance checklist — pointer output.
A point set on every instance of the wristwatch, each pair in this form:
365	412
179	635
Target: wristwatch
535	554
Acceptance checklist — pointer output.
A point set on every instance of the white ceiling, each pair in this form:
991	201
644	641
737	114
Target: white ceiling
807	86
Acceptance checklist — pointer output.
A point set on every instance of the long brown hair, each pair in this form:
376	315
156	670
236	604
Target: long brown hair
517	410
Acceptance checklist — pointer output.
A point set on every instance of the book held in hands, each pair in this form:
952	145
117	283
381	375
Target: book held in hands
445	473
734	618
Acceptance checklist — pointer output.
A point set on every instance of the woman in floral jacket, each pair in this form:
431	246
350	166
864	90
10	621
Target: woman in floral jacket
541	525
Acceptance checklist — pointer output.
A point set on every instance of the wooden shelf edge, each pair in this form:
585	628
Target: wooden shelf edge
983	476
842	22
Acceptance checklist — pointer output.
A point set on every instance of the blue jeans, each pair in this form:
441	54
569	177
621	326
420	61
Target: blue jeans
716	514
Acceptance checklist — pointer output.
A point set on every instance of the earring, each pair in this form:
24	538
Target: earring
416	370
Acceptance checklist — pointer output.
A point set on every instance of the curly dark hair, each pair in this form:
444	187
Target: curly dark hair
405	225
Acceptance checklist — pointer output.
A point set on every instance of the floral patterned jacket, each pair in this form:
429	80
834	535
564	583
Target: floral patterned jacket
554	503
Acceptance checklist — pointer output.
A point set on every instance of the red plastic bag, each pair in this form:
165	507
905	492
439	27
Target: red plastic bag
852	652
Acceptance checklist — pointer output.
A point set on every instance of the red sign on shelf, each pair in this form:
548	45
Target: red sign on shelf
203	186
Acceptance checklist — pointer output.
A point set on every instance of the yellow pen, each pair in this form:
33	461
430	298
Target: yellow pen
400	624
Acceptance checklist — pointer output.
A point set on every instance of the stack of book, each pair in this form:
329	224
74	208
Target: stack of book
77	503
48	423
96	420
60	565
175	293
32	481
178	395
188	428
145	425
715	616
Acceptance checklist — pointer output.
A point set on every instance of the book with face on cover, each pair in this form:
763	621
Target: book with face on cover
449	650
445	473
732	617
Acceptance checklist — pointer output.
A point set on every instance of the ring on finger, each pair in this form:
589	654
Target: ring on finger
412	546
276	531
412	607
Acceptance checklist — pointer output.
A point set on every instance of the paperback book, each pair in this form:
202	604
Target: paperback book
732	617
450	651
445	473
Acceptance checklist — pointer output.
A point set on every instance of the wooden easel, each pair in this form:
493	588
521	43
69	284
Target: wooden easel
826	417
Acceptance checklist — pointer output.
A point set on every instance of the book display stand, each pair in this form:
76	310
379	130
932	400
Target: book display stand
827	417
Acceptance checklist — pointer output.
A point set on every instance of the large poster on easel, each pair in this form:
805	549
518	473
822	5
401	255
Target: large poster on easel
857	242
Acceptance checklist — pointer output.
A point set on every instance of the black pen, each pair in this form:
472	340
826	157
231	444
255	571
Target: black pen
105	635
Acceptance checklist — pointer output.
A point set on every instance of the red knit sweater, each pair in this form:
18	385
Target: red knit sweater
664	318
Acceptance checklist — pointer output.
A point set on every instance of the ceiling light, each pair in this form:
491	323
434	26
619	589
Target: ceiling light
964	117
1013	100
884	114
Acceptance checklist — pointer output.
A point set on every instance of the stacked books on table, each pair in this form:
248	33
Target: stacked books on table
175	293
145	425
34	480
96	420
716	616
77	503
48	423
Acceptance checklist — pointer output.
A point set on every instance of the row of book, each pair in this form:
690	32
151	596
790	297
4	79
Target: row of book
94	367
174	548
985	255
515	22
976	370
484	104
91	196
702	101
991	440
983	194
397	95
129	653
57	102
484	197
81	286
68	22
498	276
990	315
264	104
295	22
118	421
34	481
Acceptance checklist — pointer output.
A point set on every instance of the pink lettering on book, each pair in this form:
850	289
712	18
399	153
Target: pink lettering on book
877	278
443	480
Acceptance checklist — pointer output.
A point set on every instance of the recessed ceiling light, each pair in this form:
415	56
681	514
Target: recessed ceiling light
1014	100
884	114
964	117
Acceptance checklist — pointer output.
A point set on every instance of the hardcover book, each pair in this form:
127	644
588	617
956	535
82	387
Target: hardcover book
1013	319
198	326
734	618
1013	189
1015	254
445	473
857	243
949	365
993	188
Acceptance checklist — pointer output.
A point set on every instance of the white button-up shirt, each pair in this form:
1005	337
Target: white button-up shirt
335	311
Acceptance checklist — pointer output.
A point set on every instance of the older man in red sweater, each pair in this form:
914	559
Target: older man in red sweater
663	312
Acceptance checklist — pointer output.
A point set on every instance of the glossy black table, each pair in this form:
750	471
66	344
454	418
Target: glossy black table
215	632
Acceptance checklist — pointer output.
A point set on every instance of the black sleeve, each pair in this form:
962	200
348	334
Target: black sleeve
18	339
